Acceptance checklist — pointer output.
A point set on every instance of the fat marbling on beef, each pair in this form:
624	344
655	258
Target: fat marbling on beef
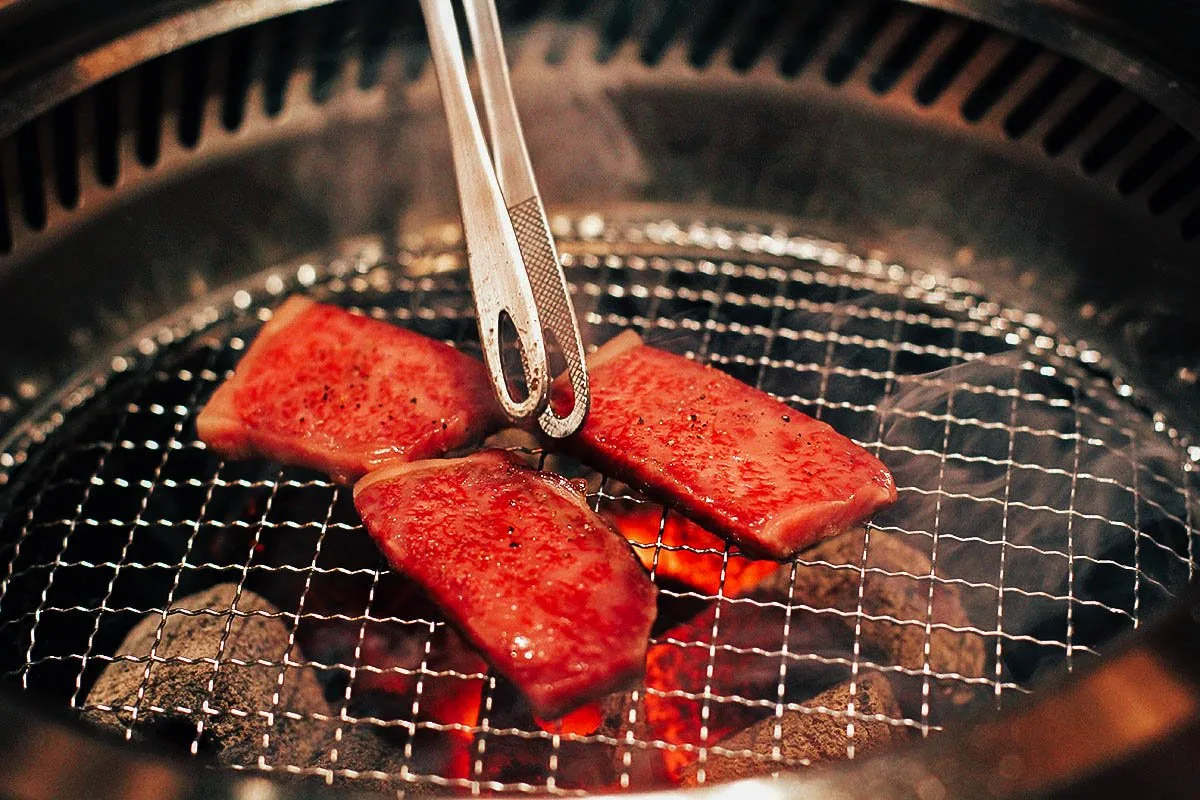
731	457
324	388
550	595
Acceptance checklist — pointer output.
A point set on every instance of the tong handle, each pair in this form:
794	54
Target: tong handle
514	172
499	280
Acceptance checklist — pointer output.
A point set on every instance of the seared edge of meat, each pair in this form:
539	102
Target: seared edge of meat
219	424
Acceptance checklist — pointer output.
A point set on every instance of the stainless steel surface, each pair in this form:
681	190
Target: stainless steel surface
908	135
28	92
1114	37
502	285
515	175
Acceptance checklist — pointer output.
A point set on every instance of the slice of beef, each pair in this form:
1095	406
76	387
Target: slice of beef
729	456
324	388
548	593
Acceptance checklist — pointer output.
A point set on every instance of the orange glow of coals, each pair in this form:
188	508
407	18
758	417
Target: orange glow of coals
678	720
459	705
698	570
443	699
583	721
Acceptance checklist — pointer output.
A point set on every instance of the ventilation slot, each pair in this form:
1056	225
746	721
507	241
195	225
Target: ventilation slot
620	22
194	83
335	38
412	32
1175	188
29	168
711	32
660	37
574	9
809	37
901	58
66	154
950	64
379	24
149	125
280	64
1117	138
999	80
108	131
1022	118
517	10
843	63
237	81
1150	162
759	29
1080	117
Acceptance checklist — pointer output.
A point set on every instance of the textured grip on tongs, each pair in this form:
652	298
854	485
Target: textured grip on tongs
554	307
514	172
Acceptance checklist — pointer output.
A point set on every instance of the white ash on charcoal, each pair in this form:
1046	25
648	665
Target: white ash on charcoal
170	677
896	606
805	737
729	683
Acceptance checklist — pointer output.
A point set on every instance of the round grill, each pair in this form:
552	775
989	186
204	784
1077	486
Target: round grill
1035	492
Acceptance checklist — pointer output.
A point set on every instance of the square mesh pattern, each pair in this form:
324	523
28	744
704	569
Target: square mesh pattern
1041	513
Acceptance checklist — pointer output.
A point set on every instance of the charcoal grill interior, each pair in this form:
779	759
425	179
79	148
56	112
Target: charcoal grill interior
913	226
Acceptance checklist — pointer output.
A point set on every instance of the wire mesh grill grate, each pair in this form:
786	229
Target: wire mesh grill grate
1041	513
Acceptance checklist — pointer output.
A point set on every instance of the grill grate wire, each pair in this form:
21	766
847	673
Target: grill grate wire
112	510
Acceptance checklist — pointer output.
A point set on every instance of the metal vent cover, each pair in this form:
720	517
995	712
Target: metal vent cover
1065	167
1048	105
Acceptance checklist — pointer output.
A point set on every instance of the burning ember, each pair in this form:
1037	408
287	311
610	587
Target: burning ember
688	554
582	721
406	670
697	693
436	695
821	731
673	708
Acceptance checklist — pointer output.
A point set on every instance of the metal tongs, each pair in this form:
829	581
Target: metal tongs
514	264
